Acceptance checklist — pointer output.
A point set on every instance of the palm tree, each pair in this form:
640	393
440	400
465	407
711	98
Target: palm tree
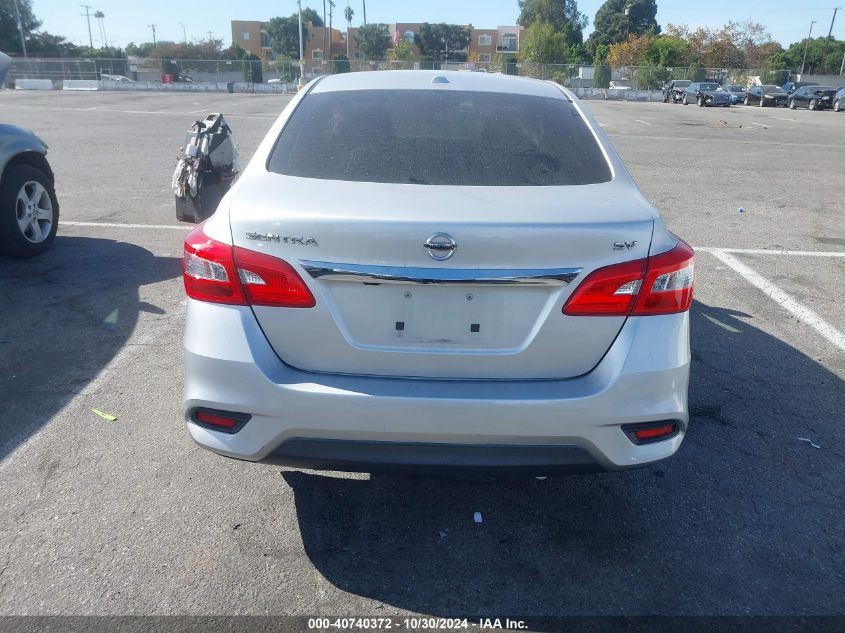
348	12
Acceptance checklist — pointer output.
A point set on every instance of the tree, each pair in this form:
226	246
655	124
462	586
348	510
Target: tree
10	39
310	15
284	35
617	19
442	42
563	15
632	52
348	13
403	52
373	40
601	77
340	65
669	51
542	44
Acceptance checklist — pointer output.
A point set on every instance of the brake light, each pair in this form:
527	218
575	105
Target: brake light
220	273
661	284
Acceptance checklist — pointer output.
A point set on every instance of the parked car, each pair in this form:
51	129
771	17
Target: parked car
791	86
673	90
620	85
737	93
29	209
117	78
839	100
706	94
366	299
765	96
812	97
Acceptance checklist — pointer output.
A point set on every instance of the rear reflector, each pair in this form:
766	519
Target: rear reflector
224	421
661	284
220	273
650	432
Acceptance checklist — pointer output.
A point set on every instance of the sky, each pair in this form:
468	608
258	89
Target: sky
127	22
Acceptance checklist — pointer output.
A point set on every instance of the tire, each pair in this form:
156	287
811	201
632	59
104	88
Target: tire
812	105
29	212
684	100
746	101
837	106
700	102
791	104
762	102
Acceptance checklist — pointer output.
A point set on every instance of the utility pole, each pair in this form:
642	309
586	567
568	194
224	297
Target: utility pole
184	35
153	27
325	32
87	14
20	29
331	31
364	2
806	47
210	35
842	67
827	41
301	81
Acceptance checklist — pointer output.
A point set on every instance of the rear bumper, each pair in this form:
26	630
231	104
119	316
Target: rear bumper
371	424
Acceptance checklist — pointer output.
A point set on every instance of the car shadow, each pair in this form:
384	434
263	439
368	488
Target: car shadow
746	519
63	316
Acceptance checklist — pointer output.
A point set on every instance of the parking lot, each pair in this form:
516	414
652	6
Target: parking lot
130	517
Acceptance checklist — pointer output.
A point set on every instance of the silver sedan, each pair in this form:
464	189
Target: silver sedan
442	271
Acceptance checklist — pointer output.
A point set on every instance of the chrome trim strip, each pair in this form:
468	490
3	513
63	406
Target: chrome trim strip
328	271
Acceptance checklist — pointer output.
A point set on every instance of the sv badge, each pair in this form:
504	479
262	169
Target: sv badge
620	246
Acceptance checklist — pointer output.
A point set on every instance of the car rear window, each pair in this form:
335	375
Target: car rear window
439	137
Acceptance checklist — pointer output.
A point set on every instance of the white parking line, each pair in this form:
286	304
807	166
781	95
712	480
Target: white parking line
784	300
760	124
118	225
643	122
780	118
763	251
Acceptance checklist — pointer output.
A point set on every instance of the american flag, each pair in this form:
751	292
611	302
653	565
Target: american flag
396	37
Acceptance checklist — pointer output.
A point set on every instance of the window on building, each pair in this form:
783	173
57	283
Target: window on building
409	36
484	40
245	36
317	54
509	43
357	55
265	39
484	57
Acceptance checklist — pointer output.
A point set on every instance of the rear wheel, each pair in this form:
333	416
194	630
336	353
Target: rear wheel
700	102
762	102
836	106
792	105
29	212
746	101
684	100
812	105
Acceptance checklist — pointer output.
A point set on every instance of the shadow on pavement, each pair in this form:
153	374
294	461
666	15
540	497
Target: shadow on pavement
746	519
63	317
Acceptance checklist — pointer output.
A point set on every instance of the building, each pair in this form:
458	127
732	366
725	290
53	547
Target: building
251	36
325	44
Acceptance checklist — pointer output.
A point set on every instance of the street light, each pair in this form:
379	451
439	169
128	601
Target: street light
184	36
803	61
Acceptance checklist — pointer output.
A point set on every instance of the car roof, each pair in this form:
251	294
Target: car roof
445	80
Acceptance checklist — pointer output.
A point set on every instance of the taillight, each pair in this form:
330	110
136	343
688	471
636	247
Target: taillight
225	421
648	432
220	273
661	284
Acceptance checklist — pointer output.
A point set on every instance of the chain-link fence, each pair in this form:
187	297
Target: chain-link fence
150	72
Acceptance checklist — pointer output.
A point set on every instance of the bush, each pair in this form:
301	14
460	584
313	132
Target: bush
601	78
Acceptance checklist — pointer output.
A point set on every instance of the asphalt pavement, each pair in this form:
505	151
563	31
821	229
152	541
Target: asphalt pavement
130	517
